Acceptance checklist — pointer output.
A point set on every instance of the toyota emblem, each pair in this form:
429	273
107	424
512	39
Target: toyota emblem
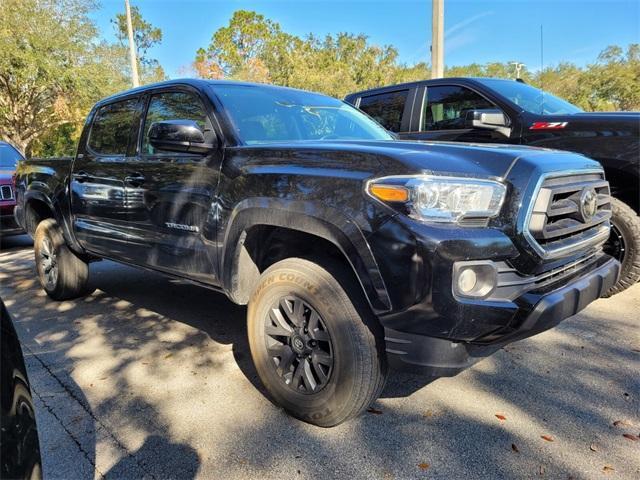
588	204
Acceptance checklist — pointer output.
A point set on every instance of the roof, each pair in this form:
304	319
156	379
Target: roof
198	83
433	81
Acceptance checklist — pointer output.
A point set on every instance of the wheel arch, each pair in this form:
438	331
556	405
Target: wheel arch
624	186
258	236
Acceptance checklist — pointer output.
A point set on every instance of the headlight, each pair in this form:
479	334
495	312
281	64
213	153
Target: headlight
440	199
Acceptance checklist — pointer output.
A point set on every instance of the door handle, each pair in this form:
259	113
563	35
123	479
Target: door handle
81	176
134	180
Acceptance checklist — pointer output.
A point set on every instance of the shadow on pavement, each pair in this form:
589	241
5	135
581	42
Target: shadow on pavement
152	350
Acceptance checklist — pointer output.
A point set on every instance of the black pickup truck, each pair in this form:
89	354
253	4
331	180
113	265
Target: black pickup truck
354	251
490	110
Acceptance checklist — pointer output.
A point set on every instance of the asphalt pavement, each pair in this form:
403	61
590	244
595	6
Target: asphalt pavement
149	377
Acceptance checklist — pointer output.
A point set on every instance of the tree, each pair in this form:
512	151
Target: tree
48	79
254	48
145	36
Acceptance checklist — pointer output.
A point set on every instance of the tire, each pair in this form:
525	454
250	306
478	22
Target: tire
61	273
343	351
624	244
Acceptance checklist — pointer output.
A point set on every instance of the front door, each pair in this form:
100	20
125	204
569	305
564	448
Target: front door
443	116
97	181
170	195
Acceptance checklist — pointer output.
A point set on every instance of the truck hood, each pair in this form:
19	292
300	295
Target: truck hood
411	157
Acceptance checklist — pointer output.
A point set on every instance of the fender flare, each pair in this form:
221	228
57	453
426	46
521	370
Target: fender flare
65	223
307	217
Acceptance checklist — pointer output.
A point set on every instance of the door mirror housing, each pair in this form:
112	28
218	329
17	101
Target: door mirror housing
489	119
179	136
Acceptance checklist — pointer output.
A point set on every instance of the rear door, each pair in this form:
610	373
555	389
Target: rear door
170	196
440	114
98	206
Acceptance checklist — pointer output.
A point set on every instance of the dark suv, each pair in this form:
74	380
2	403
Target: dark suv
353	251
489	110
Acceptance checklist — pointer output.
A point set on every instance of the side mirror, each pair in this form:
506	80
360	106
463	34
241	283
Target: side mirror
489	119
179	136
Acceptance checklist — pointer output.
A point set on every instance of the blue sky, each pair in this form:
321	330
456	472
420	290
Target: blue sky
475	30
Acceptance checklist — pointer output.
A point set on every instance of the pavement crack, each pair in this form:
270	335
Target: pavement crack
88	411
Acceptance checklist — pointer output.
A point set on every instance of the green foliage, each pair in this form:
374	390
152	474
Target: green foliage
54	67
48	78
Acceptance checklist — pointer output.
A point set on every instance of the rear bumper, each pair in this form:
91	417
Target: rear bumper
537	312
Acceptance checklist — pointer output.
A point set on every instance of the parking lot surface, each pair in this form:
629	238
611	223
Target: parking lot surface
152	377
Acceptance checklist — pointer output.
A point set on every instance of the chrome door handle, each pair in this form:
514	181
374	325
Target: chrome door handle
81	177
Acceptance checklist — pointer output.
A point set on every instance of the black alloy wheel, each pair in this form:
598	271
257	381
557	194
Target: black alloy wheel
299	345
615	246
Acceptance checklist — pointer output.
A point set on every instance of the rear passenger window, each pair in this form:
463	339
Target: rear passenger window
447	106
386	108
111	128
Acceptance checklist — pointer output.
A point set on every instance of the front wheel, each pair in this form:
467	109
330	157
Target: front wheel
314	342
624	244
62	274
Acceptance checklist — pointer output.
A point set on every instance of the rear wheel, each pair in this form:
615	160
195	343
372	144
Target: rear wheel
624	244
314	342
62	274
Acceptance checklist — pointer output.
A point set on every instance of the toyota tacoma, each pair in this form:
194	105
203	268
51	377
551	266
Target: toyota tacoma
355	252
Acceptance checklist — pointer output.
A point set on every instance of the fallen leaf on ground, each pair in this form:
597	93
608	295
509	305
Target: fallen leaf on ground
374	411
428	413
630	437
548	438
593	447
621	423
423	466
500	416
608	469
514	448
168	355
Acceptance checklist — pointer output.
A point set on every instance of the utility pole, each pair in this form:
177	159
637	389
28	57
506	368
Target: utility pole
437	39
132	47
518	66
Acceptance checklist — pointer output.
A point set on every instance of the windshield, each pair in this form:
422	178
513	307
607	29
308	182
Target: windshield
530	98
9	156
262	115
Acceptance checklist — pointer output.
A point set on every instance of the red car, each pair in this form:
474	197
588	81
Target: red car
9	157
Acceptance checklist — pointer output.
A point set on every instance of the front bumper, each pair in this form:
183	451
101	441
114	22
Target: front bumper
9	226
536	312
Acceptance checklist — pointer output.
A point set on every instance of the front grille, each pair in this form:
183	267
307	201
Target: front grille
6	192
571	211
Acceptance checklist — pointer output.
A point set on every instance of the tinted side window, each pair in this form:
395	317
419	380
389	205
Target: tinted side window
111	127
386	108
447	107
173	106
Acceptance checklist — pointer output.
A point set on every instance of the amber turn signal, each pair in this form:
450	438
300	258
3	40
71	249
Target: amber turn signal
389	193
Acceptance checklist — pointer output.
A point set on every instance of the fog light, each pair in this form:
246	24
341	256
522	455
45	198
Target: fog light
467	280
475	279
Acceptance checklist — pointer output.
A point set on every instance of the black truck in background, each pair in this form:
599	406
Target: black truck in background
354	251
488	110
